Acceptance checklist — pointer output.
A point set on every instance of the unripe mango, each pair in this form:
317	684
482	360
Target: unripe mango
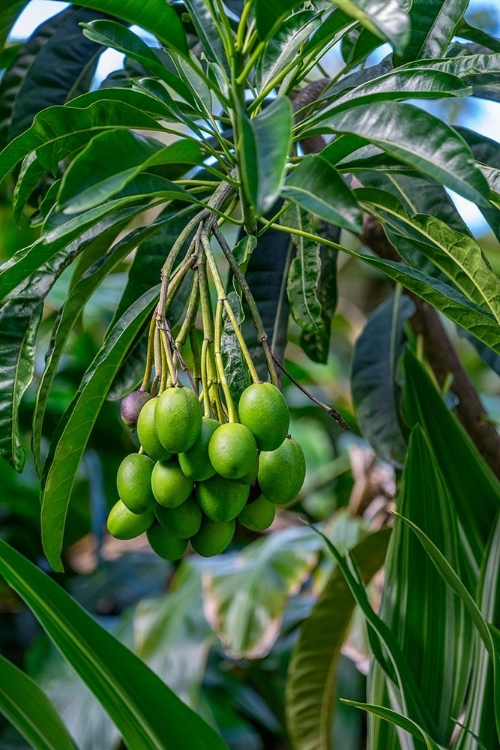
263	409
178	418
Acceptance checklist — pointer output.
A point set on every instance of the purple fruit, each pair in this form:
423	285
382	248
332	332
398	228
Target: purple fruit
131	406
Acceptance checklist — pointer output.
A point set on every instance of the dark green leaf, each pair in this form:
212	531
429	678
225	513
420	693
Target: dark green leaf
304	273
465	472
266	275
30	711
112	160
265	146
467	67
73	431
133	696
420	140
45	71
337	21
433	26
202	15
8	15
235	368
387	19
479	36
375	391
269	16
311	684
485	150
317	187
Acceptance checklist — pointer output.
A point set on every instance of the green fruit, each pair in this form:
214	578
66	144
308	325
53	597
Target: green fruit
178	419
146	432
251	475
195	463
263	409
170	486
183	521
134	482
258	515
213	537
282	472
165	544
232	450
131	406
222	499
123	524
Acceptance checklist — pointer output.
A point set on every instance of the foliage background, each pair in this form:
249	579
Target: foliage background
158	608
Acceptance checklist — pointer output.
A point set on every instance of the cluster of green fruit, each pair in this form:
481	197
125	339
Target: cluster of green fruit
194	476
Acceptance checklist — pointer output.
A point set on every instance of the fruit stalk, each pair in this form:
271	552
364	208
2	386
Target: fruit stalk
232	413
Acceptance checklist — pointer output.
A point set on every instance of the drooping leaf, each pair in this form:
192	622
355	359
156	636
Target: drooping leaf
304	274
235	368
466	474
45	70
202	15
113	159
419	139
30	711
485	150
311	683
73	431
70	313
467	31
244	602
134	697
264	151
317	187
283	47
317	345
119	37
386	20
375	390
422	614
433	26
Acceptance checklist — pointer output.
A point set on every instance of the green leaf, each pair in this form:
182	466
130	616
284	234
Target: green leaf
244	601
398	84
317	187
285	45
112	160
433	26
468	67
457	255
303	275
486	151
465	472
30	711
420	140
8	15
58	131
44	71
387	19
426	617
119	37
311	684
73	432
375	391
264	151
479	36
399	721
70	313
155	16
134	697
235	368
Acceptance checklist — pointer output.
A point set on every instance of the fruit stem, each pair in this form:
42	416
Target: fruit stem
329	409
232	413
252	305
191	311
167	353
158	358
149	355
204	384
